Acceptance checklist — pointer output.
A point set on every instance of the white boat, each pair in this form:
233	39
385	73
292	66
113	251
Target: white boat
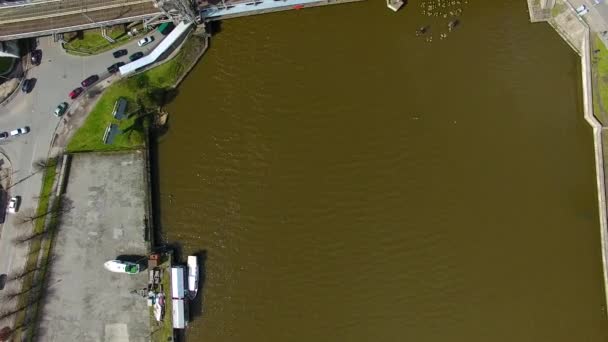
192	276
120	266
159	307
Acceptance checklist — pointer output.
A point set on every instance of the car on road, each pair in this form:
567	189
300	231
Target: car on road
136	56
61	108
582	10
28	85
145	41
119	53
89	81
13	204
4	135
74	93
36	57
3	278
114	67
20	131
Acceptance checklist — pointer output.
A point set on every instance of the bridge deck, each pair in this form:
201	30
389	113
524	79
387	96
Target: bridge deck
66	15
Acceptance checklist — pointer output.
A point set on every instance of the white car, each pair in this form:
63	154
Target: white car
582	10
13	204
20	131
145	41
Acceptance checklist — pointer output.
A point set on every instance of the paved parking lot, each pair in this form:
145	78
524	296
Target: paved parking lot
87	302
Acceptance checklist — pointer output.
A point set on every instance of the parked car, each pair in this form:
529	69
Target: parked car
74	93
89	80
3	135
119	53
28	85
136	56
145	41
13	204
36	57
582	10
114	67
20	131
61	108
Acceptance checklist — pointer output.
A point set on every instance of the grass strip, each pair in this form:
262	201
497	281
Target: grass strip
600	75
164	331
92	42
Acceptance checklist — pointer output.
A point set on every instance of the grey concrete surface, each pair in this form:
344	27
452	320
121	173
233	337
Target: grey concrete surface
597	17
87	302
56	76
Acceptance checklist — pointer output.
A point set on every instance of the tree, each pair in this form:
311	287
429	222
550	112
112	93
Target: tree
41	164
25	217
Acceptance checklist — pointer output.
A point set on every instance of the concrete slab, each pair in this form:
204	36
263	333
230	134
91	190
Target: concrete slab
86	302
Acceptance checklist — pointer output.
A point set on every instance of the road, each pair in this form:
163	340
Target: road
56	76
597	17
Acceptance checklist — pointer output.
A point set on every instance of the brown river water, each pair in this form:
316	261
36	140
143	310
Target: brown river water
350	181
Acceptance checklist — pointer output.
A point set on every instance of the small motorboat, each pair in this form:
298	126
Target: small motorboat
159	307
192	276
120	266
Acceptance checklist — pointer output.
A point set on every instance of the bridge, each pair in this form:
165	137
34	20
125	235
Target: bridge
39	18
33	18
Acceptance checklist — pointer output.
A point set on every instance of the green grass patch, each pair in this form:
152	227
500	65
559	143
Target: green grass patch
165	75
48	181
557	9
90	136
145	93
6	64
600	80
91	42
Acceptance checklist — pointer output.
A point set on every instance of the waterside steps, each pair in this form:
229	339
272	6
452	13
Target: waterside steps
395	5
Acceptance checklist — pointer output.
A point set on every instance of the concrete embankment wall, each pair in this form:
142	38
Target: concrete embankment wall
281	8
578	35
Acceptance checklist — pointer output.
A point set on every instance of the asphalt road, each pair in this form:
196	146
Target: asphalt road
56	76
597	17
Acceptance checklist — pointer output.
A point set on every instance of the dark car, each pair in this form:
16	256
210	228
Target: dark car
114	67
136	56
119	53
36	57
74	93
28	85
89	80
3	135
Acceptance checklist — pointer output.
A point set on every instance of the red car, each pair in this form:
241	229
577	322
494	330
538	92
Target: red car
74	93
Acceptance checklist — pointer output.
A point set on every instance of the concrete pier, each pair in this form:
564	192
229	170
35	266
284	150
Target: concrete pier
395	5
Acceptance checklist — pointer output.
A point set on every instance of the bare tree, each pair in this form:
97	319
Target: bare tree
15	293
22	273
41	164
25	216
28	237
